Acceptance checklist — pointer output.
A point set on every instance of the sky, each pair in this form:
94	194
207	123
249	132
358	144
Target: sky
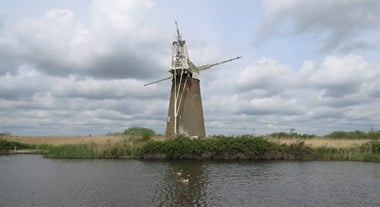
72	67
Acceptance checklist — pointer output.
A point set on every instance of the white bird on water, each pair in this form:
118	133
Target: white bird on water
184	180
179	173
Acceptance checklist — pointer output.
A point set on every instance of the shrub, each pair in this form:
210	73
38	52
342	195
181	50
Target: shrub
375	147
10	145
300	151
138	134
213	148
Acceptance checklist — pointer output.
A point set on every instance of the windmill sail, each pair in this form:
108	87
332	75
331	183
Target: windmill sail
208	66
157	81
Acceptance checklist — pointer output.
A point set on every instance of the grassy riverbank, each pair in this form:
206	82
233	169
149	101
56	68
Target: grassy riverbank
6	146
218	147
255	149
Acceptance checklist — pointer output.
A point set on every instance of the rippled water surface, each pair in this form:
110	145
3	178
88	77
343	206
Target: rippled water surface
30	180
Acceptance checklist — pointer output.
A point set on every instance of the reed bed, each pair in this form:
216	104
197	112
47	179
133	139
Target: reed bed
61	140
88	151
323	142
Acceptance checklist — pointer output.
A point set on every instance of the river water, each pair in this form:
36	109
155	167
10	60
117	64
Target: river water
31	180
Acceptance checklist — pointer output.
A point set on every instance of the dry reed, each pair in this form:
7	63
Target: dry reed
60	140
323	142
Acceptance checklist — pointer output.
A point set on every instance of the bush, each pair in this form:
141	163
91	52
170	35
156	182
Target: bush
300	151
213	148
10	145
375	147
138	134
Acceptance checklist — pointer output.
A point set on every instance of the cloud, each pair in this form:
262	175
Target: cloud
105	89
272	105
24	84
1	24
339	25
374	89
36	103
338	93
119	43
340	76
80	112
334	77
315	98
59	74
266	75
62	75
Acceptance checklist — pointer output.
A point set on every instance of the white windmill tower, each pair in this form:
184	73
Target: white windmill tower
185	114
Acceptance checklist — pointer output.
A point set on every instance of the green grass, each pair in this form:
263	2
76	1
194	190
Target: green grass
87	151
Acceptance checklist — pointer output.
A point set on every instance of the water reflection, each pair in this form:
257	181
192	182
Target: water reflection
183	184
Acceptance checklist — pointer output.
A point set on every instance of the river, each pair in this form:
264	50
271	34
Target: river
31	180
